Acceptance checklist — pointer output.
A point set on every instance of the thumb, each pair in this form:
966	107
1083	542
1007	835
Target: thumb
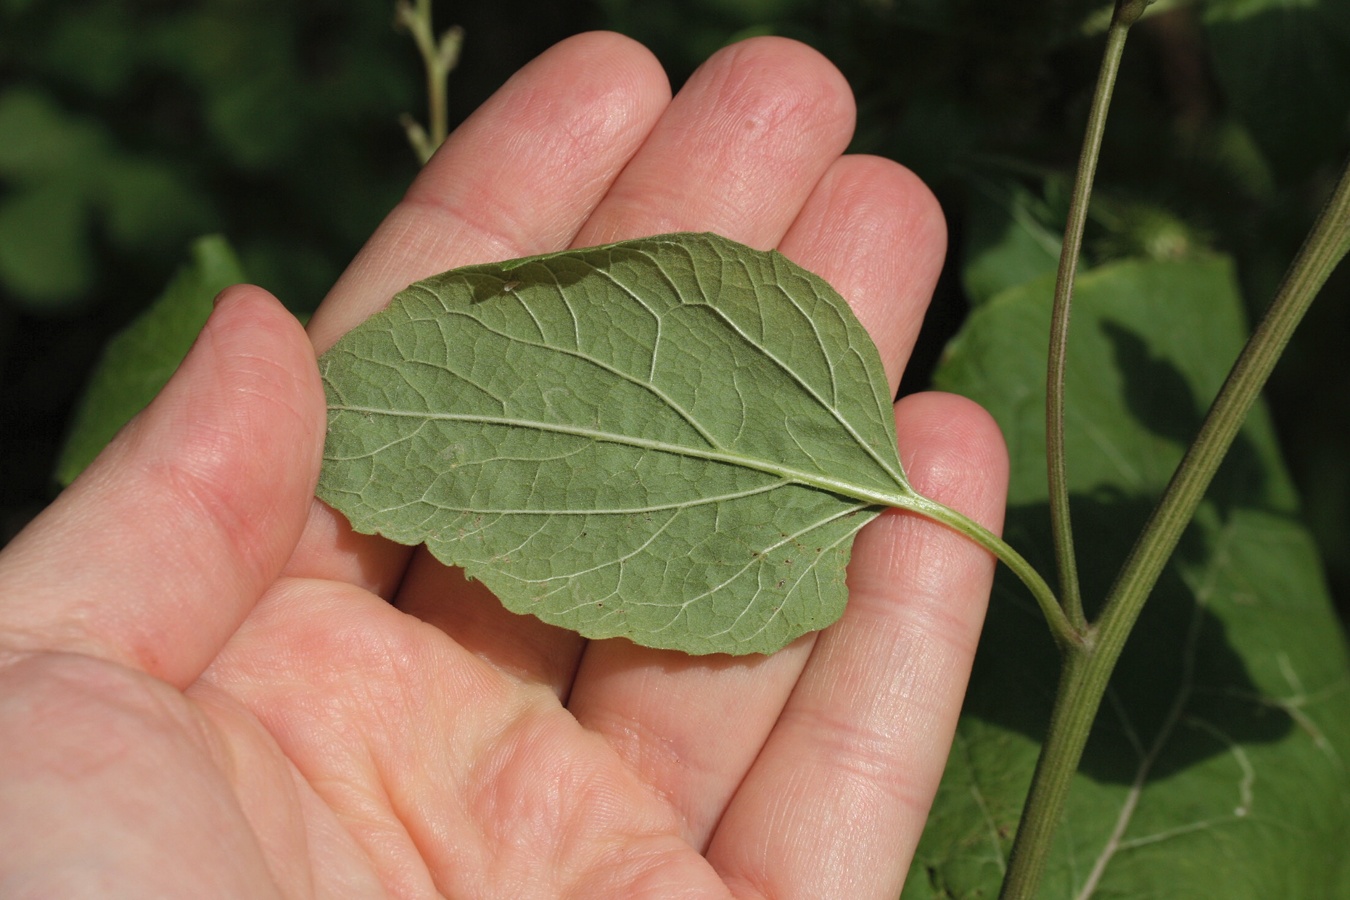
158	551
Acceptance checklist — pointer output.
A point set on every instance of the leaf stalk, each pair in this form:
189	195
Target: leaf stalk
1066	635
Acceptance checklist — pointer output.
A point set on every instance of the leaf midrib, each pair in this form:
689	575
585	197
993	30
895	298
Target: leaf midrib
831	409
901	498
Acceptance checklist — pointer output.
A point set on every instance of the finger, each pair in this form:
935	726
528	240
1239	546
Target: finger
154	556
517	178
737	152
693	728
838	798
876	233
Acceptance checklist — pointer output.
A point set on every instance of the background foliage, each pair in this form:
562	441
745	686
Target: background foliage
128	128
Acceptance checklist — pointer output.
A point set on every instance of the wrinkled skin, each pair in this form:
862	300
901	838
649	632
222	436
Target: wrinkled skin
209	686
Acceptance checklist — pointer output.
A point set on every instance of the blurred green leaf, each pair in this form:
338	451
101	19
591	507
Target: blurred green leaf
38	139
138	360
147	202
66	179
275	124
1012	237
90	49
1217	763
1285	68
752	10
44	255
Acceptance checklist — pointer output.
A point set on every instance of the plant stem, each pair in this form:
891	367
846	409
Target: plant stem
439	58
1088	667
1081	684
1060	525
1325	246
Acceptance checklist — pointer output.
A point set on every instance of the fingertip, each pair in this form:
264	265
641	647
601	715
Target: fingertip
953	452
255	357
738	149
874	230
246	306
248	383
580	98
795	74
612	88
623	60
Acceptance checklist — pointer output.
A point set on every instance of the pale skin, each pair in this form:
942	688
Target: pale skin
209	686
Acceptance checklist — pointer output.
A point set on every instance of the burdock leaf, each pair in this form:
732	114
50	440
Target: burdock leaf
672	440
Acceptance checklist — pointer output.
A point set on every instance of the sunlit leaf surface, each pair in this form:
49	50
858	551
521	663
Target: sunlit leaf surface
672	440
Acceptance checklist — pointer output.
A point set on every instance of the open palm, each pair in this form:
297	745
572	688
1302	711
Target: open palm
209	686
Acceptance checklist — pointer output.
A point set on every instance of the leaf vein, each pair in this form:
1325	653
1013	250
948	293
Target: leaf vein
872	496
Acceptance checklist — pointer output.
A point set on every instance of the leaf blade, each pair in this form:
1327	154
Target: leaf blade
672	440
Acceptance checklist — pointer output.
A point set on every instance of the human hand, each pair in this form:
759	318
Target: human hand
209	686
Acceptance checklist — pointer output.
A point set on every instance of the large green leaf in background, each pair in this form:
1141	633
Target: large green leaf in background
672	440
138	361
60	173
1218	763
1012	236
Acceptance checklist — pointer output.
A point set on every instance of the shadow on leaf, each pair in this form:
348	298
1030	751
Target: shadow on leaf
1177	670
1161	401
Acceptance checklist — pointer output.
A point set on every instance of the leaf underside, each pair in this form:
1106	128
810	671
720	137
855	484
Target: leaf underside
672	440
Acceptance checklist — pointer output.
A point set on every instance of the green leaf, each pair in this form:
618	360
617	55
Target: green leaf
138	360
672	440
45	259
42	140
1217	765
1012	236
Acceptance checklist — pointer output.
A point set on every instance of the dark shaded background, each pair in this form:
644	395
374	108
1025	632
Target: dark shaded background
128	127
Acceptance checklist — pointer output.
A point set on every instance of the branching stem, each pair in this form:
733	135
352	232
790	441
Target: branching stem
439	58
1088	666
1060	524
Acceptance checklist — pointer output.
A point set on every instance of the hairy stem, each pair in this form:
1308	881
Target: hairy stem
1088	667
1060	526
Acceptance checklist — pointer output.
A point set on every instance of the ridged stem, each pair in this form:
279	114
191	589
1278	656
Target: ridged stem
1088	666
